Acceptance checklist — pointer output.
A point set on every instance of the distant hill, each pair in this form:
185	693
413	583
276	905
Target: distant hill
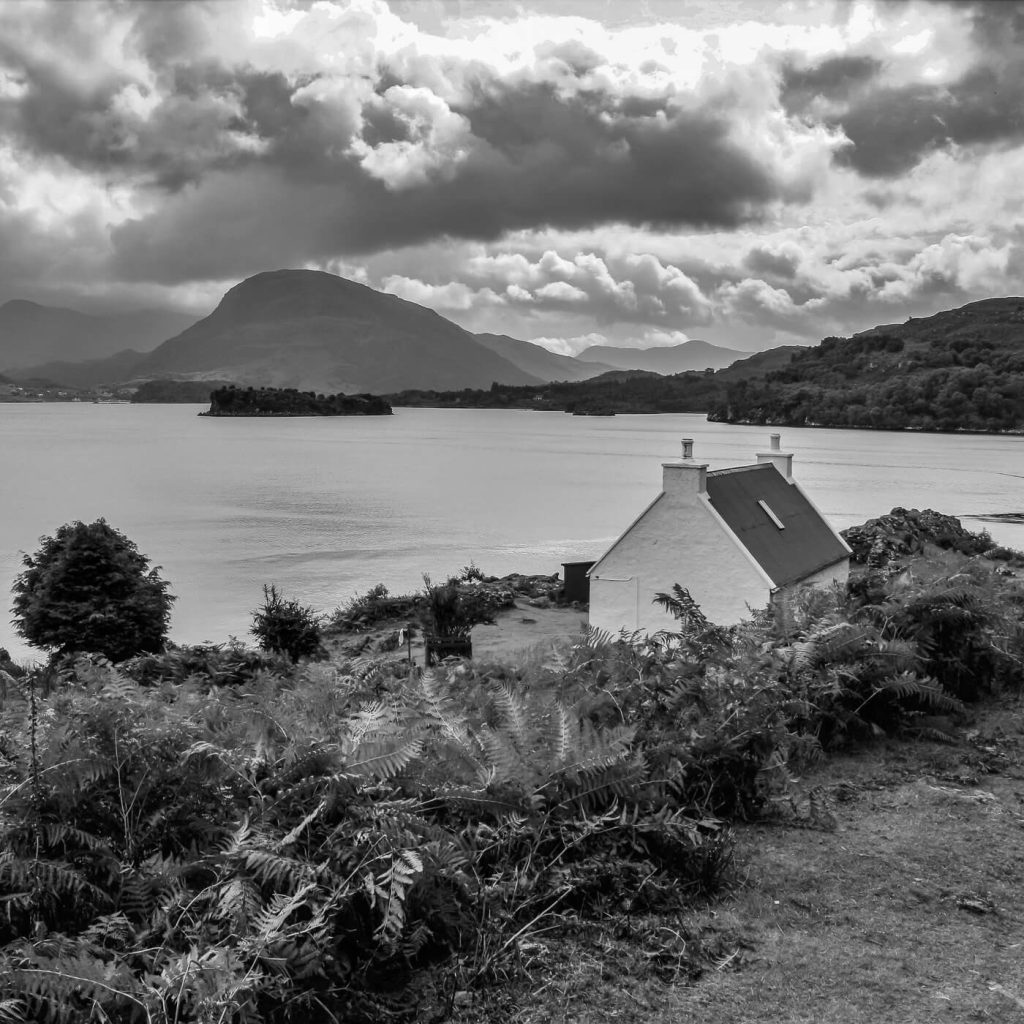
690	355
31	334
88	373
618	376
962	369
311	330
759	364
539	361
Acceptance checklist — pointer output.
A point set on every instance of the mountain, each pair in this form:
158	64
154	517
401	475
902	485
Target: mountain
690	355
31	334
962	369
312	330
539	361
85	374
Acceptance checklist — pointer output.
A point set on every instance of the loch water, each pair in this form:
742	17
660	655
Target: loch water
327	507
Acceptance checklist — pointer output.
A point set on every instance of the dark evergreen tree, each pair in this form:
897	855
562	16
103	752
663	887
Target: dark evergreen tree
287	627
88	588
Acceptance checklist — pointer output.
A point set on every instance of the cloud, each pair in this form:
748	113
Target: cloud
927	96
393	136
634	288
744	174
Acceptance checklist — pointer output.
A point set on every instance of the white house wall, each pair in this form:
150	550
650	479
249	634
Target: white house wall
673	544
838	573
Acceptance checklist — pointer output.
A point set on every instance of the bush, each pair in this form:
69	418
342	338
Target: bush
88	588
999	553
229	664
287	627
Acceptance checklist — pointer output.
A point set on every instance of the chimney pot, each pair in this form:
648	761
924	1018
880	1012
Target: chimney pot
782	461
687	447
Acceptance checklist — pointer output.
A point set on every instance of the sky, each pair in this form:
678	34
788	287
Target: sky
571	172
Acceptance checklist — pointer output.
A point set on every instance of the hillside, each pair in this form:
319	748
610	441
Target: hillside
962	369
308	329
614	391
31	334
85	374
759	364
538	361
690	355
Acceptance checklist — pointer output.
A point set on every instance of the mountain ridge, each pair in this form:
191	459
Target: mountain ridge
32	334
669	359
540	361
310	329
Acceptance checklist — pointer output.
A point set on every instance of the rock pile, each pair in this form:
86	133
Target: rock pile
880	541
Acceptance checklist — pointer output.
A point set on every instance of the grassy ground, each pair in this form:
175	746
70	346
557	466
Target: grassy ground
890	892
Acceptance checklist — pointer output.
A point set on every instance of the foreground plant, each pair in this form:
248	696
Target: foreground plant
88	588
306	849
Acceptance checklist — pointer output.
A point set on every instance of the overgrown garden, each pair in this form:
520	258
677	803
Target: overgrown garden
217	834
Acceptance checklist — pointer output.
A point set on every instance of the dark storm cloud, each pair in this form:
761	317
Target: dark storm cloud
370	141
995	24
207	118
832	79
539	159
891	128
762	262
569	162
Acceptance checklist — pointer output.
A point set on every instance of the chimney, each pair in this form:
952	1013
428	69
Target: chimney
684	479
782	461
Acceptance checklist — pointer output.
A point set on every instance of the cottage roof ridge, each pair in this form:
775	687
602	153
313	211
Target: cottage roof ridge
726	470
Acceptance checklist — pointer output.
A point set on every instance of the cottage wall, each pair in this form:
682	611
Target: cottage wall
838	573
680	540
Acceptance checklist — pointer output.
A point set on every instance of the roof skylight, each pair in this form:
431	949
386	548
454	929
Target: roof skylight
771	515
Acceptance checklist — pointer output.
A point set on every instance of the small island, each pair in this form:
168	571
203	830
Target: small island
236	401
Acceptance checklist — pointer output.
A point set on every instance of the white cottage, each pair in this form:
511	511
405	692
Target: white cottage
737	539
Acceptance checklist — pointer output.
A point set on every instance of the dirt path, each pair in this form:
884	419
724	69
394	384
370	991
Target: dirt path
908	908
526	629
515	633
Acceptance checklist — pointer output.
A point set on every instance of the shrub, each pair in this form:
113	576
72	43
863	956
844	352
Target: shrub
216	664
999	553
451	612
287	627
88	588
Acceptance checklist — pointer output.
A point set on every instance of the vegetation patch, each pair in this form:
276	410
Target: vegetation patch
962	369
659	823
236	401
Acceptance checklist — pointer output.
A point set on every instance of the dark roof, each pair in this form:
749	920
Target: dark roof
807	543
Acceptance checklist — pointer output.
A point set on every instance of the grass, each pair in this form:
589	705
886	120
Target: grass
902	904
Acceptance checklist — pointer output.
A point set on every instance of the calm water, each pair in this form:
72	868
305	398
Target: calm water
325	508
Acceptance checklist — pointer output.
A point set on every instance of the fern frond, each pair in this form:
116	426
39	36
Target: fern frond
13	1011
269	921
476	804
909	685
284	874
502	760
383	760
514	716
60	990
